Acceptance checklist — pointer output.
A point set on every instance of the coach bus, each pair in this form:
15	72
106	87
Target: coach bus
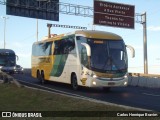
7	60
82	58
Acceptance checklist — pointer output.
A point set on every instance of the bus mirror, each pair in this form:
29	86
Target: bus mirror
17	57
132	50
88	48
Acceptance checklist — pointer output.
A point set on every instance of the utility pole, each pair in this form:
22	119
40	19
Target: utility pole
4	29
144	23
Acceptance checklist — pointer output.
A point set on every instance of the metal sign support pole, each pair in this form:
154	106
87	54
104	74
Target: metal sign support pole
4	32
145	42
37	29
49	30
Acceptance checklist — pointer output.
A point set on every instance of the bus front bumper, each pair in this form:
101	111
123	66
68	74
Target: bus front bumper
108	82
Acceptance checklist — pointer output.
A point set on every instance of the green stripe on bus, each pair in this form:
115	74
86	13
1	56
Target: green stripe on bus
59	63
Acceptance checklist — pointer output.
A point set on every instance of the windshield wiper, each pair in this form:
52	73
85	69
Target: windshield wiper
108	62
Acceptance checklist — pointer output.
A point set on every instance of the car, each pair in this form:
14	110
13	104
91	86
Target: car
18	69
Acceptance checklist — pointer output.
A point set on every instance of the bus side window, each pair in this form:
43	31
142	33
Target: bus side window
65	46
57	48
42	49
69	45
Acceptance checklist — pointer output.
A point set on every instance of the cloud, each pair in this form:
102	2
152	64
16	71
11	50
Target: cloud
153	28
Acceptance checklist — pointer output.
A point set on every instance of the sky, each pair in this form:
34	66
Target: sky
21	33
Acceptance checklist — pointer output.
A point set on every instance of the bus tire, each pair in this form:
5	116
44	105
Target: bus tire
74	82
43	81
38	76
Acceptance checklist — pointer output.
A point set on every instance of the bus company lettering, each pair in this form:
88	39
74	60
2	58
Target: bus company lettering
45	60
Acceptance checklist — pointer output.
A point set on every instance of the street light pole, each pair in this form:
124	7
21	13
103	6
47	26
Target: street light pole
5	30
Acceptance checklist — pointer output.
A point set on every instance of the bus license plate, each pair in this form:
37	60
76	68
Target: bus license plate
111	83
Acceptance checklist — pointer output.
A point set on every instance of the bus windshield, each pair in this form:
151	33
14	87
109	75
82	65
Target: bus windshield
108	55
7	60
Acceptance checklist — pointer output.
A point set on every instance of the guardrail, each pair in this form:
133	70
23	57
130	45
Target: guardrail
7	79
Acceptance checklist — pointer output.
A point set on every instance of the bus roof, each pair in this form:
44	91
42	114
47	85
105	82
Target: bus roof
98	34
6	51
86	33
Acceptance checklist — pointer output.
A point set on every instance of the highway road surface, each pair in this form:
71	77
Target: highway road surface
145	98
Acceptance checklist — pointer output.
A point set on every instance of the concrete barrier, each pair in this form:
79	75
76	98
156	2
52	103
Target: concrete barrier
144	80
27	71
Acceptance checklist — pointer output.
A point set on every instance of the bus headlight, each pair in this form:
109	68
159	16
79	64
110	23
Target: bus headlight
125	83
94	76
94	83
126	76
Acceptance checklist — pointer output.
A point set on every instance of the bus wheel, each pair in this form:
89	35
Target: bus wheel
43	81
38	76
74	83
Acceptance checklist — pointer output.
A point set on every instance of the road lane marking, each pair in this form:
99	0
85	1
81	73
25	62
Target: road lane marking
151	94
